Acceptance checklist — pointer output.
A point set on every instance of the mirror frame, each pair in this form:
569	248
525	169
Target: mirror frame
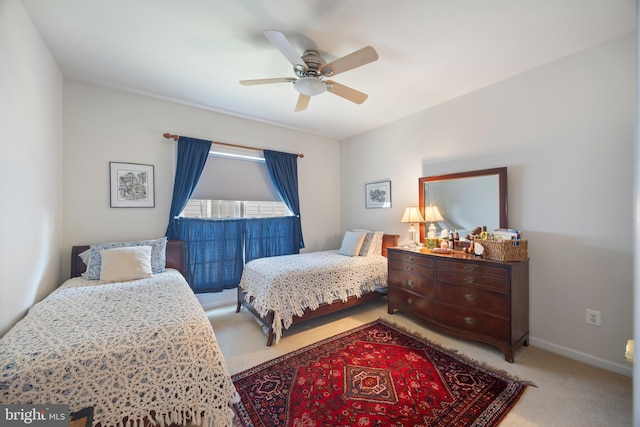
502	191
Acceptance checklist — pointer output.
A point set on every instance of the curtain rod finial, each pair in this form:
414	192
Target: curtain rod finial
170	136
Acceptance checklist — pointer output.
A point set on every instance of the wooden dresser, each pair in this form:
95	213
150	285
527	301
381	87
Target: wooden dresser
462	295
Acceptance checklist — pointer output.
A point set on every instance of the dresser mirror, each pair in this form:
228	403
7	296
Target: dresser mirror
465	200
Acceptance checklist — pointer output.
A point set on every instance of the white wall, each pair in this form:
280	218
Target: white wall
103	125
566	133
636	223
30	165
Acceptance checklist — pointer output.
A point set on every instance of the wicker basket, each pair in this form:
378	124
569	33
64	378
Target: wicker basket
505	250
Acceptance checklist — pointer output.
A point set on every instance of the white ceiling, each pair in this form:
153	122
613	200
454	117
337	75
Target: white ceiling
430	51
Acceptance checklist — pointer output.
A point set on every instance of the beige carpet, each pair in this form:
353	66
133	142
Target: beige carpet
568	393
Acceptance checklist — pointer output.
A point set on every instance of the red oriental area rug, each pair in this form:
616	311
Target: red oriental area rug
373	375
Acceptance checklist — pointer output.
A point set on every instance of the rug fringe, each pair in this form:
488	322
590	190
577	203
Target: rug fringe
453	351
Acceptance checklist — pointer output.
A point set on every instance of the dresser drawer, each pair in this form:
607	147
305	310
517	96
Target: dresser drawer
471	298
422	285
398	267
410	302
408	257
475	268
473	321
468	279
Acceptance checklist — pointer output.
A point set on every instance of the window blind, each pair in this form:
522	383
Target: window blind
235	179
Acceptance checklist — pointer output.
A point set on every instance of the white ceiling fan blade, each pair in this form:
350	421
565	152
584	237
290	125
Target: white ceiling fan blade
280	41
267	81
355	59
346	92
303	102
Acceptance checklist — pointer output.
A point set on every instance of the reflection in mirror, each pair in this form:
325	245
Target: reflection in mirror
466	200
465	203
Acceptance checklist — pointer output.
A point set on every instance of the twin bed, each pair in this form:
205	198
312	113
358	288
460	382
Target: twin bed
284	290
141	351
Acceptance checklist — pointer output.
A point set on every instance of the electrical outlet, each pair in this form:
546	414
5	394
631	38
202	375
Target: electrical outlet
593	317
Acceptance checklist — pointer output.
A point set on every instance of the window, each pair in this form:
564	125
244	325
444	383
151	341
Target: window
230	221
235	183
201	208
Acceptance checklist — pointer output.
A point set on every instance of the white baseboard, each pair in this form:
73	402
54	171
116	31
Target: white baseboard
582	357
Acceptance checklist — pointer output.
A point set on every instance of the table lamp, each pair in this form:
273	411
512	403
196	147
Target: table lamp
412	215
432	214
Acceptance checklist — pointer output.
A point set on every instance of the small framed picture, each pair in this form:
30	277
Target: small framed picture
378	194
131	185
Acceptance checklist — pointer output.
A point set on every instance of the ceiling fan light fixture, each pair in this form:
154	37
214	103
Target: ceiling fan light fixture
310	86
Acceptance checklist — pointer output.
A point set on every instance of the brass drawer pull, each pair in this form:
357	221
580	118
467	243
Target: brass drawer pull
410	282
409	258
409	301
470	297
468	279
470	267
469	320
410	267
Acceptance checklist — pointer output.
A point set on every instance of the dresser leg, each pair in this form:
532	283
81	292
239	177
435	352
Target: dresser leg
508	355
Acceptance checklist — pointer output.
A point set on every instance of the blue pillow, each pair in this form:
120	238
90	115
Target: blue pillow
158	255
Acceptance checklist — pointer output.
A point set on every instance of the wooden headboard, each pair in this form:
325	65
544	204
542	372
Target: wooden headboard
389	240
176	258
176	254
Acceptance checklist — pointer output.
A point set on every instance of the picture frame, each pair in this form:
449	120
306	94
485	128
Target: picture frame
132	185
377	195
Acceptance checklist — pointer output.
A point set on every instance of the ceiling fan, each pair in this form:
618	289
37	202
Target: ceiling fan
311	70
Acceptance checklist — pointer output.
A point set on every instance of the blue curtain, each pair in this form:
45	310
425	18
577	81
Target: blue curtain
266	237
283	169
192	155
214	252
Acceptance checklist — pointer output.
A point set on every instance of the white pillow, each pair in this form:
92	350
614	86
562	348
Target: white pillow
124	264
351	243
84	256
377	243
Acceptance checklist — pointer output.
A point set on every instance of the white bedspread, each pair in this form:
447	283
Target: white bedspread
125	348
291	283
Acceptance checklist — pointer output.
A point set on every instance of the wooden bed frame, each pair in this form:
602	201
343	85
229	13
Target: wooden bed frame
176	258
388	240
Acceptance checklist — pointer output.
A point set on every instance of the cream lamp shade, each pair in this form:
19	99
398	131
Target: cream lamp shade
412	215
432	214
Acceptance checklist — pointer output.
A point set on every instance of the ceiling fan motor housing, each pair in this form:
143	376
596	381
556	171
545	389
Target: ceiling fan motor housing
313	62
